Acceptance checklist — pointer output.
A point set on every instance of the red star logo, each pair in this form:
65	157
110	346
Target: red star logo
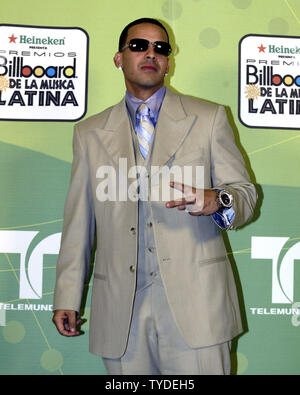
261	48
12	39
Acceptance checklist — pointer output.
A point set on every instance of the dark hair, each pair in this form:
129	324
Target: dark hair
123	36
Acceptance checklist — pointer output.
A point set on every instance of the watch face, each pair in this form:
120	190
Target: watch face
225	199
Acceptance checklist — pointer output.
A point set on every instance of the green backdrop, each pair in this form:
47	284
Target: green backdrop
35	160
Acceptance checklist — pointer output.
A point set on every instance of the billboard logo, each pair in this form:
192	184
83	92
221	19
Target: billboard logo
16	69
43	73
269	81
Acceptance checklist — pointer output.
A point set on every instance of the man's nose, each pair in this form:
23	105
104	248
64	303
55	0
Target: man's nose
150	53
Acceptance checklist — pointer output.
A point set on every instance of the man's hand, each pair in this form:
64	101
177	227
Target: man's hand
196	201
66	322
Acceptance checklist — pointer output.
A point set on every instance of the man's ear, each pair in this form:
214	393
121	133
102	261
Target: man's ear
118	60
168	66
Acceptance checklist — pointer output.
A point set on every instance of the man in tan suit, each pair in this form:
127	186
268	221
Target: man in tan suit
164	299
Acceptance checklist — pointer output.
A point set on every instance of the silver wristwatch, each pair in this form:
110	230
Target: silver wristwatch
224	199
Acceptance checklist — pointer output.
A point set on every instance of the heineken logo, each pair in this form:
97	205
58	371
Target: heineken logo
275	49
23	39
284	50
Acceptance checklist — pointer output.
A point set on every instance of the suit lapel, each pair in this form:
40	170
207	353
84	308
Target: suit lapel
172	128
116	135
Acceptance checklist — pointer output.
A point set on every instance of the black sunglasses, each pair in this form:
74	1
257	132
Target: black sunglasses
141	45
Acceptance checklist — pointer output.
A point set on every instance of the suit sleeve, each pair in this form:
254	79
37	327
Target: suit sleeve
229	171
77	234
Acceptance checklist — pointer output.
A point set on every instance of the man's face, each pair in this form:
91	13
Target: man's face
143	71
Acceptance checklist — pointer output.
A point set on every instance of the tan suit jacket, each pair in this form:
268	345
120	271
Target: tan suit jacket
192	258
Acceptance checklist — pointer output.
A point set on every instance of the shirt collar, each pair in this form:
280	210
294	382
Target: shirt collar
154	103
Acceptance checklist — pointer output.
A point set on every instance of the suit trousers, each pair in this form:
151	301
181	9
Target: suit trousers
156	347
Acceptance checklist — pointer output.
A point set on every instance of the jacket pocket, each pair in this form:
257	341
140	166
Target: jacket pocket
99	276
211	261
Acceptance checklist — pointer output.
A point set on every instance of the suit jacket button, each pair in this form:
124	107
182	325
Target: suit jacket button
132	268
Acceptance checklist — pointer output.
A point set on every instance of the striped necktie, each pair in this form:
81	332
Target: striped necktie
144	129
